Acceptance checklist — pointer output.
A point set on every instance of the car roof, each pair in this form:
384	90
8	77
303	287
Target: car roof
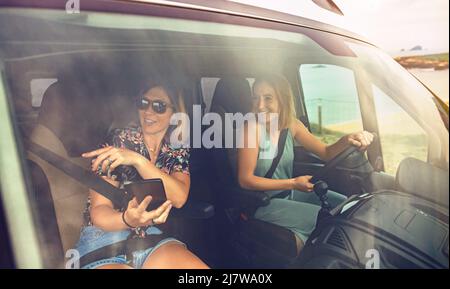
240	9
217	6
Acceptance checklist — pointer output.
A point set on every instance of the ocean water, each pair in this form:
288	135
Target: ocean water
436	80
331	89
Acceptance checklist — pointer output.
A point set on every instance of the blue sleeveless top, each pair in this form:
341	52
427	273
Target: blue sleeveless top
266	154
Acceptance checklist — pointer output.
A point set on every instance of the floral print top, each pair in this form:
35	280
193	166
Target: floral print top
169	160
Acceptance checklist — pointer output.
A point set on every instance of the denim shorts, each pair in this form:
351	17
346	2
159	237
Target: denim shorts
93	238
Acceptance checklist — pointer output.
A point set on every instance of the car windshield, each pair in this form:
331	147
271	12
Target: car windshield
73	78
106	38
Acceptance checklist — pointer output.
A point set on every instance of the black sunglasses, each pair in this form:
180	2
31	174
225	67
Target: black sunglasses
158	106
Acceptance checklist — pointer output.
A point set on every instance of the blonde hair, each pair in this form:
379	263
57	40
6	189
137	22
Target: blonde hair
283	90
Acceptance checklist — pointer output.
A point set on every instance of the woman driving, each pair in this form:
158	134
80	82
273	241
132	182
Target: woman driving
298	209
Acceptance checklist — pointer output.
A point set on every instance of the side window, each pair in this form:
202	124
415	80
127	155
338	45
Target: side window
400	135
331	101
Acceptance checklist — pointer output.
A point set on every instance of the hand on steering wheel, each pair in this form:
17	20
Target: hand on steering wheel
356	144
361	140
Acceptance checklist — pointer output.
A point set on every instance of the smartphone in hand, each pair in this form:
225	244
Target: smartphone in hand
152	187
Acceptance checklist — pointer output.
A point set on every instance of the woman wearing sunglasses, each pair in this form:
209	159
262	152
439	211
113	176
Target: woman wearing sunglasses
132	154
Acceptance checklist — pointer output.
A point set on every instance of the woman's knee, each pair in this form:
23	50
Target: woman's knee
173	255
299	243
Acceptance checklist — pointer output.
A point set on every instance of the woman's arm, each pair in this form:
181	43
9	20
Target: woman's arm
326	152
176	184
102	211
106	218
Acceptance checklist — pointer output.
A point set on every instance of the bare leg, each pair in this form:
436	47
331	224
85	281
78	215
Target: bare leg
173	255
114	266
299	244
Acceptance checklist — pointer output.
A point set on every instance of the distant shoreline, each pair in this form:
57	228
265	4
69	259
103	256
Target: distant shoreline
436	80
434	61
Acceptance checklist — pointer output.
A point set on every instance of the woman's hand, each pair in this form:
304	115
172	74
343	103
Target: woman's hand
114	157
302	183
137	216
360	139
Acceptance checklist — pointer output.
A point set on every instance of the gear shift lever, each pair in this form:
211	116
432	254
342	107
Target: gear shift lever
321	189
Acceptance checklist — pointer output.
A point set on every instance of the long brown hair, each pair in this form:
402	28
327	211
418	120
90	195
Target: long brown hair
285	96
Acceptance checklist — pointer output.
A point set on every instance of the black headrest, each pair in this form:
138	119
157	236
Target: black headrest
79	117
233	95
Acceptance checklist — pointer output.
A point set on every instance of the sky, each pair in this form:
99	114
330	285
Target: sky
390	24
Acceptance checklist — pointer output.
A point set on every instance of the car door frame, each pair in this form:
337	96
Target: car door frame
20	221
368	118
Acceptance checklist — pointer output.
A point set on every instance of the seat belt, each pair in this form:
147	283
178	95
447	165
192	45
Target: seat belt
115	195
269	174
276	161
125	247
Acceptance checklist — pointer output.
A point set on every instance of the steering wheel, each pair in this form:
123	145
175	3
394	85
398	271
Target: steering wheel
321	187
332	164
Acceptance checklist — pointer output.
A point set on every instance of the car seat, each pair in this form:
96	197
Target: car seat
71	121
255	242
